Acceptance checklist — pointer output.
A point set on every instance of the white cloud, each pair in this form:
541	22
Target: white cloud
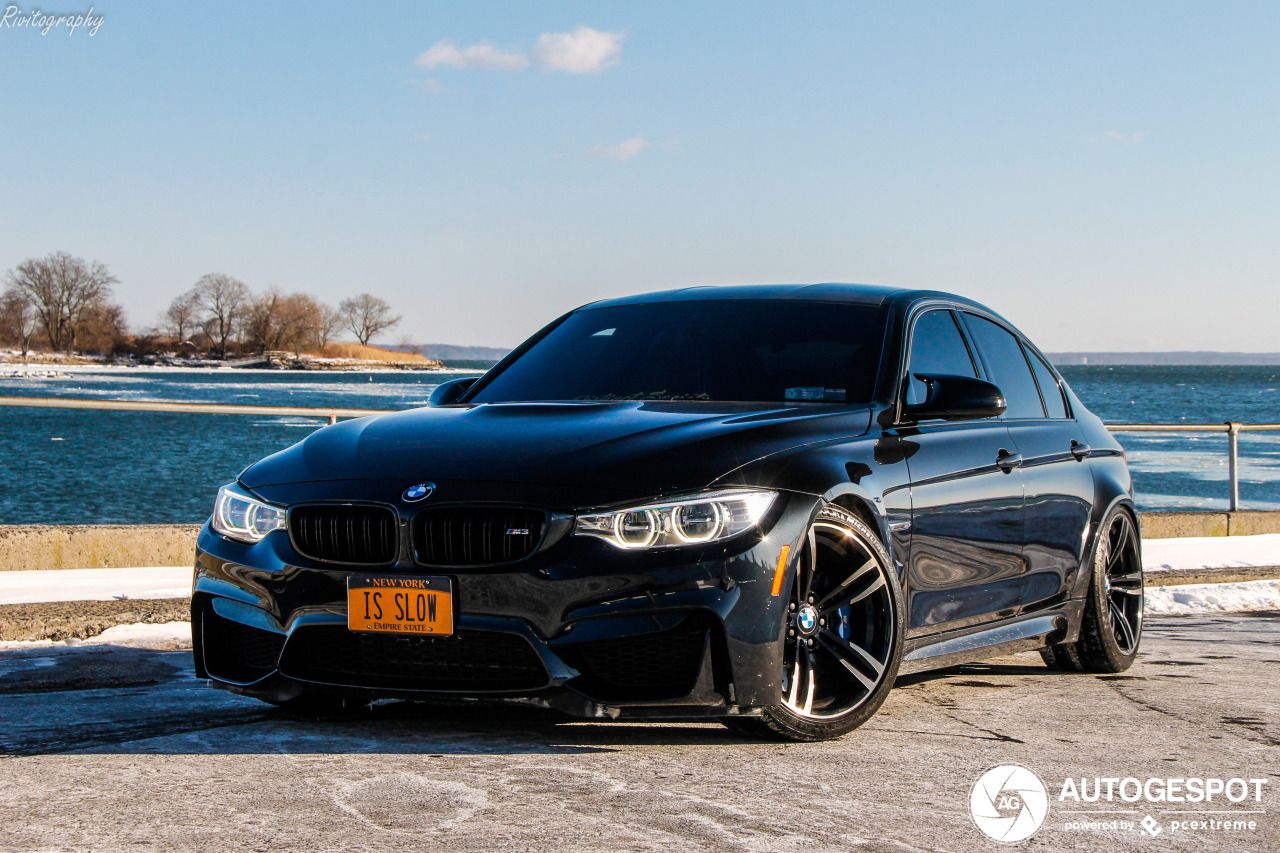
624	150
484	55
583	51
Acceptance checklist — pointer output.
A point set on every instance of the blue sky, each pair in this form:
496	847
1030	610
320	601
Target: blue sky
1106	175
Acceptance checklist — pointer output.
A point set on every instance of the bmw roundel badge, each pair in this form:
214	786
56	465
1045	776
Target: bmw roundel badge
420	492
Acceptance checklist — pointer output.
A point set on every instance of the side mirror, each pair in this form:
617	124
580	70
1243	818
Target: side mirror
956	398
447	393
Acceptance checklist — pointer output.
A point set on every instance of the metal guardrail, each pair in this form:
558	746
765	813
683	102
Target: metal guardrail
1231	429
330	415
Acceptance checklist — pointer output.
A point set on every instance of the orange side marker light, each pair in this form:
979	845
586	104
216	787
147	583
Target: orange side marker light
781	570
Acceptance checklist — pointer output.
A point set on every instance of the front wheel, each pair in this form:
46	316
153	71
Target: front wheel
1112	625
843	634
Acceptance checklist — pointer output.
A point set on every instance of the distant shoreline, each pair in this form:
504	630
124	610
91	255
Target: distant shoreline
1188	358
1172	358
34	367
10	366
11	370
340	357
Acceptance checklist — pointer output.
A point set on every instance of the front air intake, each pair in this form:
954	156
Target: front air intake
466	661
660	665
235	652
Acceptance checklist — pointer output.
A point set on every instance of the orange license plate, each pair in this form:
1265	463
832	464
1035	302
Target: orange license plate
400	605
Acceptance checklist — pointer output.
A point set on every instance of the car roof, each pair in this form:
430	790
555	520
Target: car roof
862	294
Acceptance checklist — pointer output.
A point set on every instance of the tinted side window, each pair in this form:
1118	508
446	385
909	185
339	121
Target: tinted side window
936	347
1049	389
1007	367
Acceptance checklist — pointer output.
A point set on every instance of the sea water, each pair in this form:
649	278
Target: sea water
69	466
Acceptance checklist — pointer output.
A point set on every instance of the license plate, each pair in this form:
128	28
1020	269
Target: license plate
400	605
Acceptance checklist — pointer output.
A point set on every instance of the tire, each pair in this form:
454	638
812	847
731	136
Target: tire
1111	628
843	636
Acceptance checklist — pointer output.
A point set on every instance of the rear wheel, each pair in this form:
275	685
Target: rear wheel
843	639
1111	629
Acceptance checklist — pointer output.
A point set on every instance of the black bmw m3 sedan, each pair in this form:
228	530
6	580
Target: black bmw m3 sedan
753	504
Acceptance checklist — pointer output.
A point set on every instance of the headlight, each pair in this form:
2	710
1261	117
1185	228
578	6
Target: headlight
693	521
242	517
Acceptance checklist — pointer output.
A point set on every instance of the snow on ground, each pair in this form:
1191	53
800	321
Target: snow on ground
163	635
1211	552
166	635
94	584
1202	598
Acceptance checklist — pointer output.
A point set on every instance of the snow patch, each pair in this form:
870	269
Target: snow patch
32	587
1210	552
146	636
1202	598
162	636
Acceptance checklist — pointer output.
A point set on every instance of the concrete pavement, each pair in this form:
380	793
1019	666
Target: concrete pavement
112	749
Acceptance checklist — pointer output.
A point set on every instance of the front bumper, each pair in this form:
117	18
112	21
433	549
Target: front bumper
580	627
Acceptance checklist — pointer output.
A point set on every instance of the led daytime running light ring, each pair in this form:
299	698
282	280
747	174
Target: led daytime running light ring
655	528
712	532
242	517
691	520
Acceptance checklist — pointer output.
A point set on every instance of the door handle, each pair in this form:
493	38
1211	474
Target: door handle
1006	460
1080	450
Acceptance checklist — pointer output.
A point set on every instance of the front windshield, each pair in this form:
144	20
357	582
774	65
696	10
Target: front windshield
751	350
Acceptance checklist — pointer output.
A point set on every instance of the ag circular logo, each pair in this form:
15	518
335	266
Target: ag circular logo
1009	803
420	492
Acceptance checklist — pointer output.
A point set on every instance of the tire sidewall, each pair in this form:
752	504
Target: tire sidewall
1104	639
791	725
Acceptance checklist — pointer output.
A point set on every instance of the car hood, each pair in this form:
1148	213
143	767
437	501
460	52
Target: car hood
623	449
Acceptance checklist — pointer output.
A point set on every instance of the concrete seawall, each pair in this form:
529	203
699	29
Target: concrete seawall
1177	525
97	546
106	546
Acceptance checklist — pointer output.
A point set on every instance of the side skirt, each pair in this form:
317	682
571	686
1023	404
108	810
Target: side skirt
1019	634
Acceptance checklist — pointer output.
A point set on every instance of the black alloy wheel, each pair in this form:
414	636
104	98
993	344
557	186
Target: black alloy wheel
843	634
1111	629
1122	582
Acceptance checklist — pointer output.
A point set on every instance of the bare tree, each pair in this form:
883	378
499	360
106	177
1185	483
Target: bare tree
17	319
182	315
274	321
306	317
261	321
223	300
60	288
102	327
331	322
366	316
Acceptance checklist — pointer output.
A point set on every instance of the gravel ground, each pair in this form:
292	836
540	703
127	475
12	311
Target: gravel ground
113	749
64	620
